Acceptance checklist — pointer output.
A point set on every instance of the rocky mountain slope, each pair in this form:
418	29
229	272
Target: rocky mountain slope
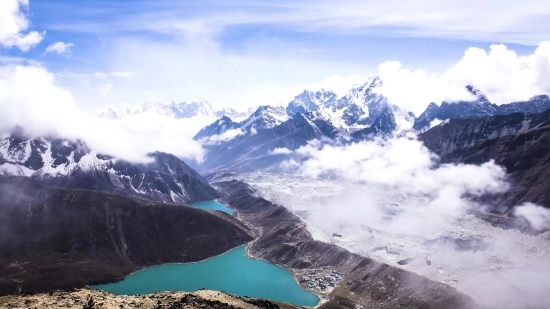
481	107
269	135
285	240
463	133
519	142
52	238
320	115
71	164
93	299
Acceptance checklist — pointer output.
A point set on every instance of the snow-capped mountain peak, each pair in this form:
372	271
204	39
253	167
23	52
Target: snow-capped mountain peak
200	107
309	101
265	117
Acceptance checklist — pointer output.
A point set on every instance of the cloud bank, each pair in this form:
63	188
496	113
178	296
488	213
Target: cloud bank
29	97
398	202
500	73
224	137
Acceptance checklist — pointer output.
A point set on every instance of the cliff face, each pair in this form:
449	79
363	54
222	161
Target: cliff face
526	158
284	240
519	142
52	238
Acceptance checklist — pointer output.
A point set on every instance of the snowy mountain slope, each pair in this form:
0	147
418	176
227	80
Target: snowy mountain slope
479	108
258	150
265	117
312	115
233	114
71	164
200	107
309	101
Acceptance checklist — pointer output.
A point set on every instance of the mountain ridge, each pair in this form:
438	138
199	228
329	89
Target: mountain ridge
71	164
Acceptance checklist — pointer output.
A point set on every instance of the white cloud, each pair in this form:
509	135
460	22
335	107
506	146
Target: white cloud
436	191
281	151
224	137
392	200
500	73
123	74
381	162
59	48
14	23
29	97
538	216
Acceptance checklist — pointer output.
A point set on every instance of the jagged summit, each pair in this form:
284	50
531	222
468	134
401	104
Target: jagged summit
309	101
481	107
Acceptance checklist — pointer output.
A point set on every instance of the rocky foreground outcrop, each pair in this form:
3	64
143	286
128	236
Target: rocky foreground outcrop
284	240
93	299
52	238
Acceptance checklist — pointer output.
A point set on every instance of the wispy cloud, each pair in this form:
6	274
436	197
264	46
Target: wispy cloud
59	48
511	21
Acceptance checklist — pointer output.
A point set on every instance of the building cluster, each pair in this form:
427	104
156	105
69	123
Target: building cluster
320	278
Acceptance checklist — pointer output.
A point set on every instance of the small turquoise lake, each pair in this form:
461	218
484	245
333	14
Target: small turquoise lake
212	205
231	272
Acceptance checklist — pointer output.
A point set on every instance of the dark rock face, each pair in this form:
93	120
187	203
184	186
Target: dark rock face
524	155
383	126
71	164
519	142
480	108
53	238
464	133
284	240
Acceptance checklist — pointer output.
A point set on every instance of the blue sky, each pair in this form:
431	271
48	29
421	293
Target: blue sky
246	53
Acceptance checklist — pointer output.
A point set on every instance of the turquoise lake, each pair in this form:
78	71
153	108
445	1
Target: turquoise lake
213	205
231	272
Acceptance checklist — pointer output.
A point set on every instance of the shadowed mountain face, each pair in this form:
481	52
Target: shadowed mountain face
54	238
518	142
71	164
479	108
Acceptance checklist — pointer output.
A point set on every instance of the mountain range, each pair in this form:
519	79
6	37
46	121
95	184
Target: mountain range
479	108
175	110
271	134
71	164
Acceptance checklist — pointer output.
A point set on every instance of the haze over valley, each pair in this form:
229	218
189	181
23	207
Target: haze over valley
274	155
